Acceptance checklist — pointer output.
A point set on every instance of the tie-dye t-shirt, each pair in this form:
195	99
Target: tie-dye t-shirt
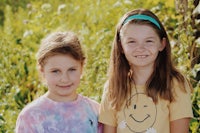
46	116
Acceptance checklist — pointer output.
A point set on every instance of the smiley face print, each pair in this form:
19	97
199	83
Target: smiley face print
141	114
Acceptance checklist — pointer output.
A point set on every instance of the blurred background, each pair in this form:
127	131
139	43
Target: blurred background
23	23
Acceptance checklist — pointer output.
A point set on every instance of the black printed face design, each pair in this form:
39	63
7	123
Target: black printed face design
141	114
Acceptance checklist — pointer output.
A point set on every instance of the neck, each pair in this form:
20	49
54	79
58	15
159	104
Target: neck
60	98
140	76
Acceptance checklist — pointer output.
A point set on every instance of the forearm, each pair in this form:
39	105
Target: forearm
109	129
180	125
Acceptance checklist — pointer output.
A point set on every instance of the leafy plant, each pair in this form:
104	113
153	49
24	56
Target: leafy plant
26	23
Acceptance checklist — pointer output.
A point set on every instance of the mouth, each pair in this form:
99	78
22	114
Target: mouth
141	56
64	86
139	121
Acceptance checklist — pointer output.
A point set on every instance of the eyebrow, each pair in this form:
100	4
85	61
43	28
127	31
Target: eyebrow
54	68
151	37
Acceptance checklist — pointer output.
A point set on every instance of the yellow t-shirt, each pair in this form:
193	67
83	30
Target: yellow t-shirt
144	116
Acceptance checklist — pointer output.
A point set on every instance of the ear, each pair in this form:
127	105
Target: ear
82	67
41	71
163	44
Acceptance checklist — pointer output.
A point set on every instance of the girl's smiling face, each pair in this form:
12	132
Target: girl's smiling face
62	75
141	44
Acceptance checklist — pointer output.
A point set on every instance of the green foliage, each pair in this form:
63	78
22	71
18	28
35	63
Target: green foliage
25	24
186	55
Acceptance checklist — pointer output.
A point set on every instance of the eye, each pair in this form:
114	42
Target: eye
131	42
145	106
149	41
134	106
55	71
72	69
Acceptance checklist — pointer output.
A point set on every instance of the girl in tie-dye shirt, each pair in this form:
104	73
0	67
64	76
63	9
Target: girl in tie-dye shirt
61	109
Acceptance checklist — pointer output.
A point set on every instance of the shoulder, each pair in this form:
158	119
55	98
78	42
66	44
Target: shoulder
181	86
94	104
181	106
31	107
182	93
29	116
90	100
106	94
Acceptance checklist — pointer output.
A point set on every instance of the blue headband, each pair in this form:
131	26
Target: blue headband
142	17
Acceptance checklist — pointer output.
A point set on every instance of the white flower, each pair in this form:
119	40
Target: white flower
27	33
61	7
151	130
128	2
46	7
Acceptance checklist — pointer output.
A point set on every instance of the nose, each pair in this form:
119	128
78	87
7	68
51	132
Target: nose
140	46
65	78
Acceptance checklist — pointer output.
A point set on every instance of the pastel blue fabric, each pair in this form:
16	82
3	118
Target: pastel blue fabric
142	17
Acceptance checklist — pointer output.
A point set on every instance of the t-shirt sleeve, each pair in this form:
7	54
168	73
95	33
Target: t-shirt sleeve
107	115
182	106
23	124
95	106
28	118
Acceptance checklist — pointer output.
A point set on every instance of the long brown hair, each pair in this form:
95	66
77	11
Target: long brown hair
159	83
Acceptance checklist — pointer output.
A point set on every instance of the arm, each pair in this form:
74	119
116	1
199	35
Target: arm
181	109
23	126
180	125
109	129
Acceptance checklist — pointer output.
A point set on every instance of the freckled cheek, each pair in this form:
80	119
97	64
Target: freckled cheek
153	49
128	50
154	52
76	78
52	79
77	82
